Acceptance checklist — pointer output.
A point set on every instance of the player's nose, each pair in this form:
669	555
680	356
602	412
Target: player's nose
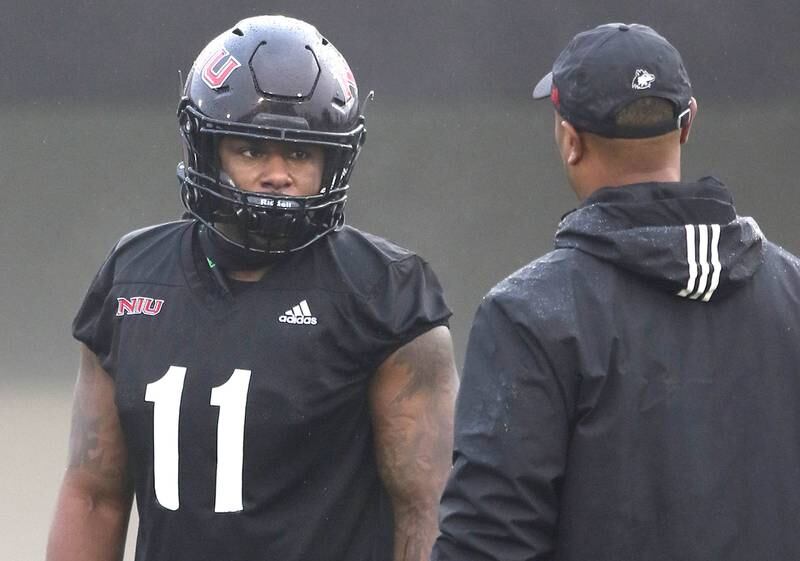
274	174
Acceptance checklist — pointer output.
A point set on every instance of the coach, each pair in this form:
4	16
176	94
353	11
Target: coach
633	394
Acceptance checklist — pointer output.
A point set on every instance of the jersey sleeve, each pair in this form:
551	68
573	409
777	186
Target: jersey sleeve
407	302
93	325
511	434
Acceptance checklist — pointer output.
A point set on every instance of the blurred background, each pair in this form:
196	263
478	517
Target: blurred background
459	164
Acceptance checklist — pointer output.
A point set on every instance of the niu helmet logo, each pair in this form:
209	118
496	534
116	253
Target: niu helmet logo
218	68
138	305
347	82
642	80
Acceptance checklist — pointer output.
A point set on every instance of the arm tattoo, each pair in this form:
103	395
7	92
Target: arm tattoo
90	450
415	431
414	427
412	549
96	442
428	365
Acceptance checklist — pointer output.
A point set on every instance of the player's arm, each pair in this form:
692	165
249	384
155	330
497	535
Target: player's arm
94	502
412	400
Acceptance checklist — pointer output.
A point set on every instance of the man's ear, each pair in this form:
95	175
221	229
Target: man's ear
570	143
692	116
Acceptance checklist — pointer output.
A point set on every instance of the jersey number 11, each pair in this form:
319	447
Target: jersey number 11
231	398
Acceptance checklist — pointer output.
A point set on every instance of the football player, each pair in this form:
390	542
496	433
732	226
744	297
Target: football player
266	381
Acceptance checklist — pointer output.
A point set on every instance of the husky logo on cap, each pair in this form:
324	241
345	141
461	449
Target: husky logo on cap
642	80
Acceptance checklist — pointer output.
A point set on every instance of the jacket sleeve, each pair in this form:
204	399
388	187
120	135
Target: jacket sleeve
511	438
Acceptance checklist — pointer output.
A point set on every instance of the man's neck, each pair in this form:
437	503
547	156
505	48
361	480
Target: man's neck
586	188
618	162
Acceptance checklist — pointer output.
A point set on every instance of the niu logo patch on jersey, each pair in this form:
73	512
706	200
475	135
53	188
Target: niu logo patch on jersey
138	305
642	80
299	315
218	68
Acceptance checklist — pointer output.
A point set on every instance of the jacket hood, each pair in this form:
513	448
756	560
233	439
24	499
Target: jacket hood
685	238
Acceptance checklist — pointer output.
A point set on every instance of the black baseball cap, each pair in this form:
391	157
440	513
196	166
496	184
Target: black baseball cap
604	69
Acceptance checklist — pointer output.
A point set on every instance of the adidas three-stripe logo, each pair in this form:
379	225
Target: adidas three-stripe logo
299	315
702	256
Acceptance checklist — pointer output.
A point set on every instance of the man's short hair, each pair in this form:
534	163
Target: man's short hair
645	113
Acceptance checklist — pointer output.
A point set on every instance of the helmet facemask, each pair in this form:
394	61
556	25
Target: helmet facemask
264	222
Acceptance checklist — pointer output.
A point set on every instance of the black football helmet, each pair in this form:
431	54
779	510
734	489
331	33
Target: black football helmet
276	78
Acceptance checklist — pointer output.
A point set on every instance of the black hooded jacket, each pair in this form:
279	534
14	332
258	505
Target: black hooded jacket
634	395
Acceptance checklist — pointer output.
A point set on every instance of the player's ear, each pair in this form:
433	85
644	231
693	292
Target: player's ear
692	116
570	143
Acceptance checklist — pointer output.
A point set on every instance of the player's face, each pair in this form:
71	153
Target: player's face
270	166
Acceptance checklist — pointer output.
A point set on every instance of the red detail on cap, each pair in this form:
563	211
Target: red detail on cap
215	72
554	96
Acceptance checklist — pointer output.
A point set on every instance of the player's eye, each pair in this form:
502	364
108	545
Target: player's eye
251	152
299	154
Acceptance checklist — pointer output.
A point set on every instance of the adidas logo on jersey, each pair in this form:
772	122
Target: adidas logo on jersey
299	315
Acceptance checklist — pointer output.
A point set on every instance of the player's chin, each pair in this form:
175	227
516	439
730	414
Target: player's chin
262	243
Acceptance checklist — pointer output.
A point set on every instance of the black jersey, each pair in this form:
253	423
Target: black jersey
246	416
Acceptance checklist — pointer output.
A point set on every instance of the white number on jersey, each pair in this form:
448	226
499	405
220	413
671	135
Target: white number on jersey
231	398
